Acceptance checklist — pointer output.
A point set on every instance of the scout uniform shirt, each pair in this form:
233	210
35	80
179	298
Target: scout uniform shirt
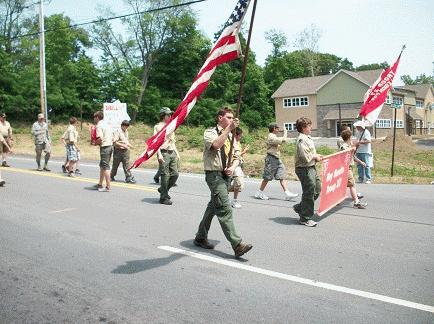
305	151
71	135
344	146
212	160
274	143
40	131
169	143
5	129
121	137
104	132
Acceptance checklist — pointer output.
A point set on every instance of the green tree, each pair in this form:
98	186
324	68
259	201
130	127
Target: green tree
420	79
372	66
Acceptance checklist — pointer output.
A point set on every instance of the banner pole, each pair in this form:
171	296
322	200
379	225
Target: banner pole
243	77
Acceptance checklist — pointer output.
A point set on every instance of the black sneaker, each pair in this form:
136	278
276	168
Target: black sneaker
46	169
203	243
112	179
78	172
165	202
359	195
2	183
156	180
64	169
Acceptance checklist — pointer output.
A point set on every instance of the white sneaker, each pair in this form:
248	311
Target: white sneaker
260	195
309	223
236	204
290	195
368	182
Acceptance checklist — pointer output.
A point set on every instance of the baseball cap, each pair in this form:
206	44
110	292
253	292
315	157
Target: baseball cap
165	111
359	123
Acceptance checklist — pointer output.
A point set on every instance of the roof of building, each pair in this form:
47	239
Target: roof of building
310	85
420	89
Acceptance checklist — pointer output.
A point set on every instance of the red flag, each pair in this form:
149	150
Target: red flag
226	48
377	94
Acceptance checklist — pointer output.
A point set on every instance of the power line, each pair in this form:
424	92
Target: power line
107	19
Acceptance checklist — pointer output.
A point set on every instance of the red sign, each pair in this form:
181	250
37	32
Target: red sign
334	180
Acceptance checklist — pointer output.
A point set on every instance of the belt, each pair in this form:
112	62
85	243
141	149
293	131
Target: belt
167	151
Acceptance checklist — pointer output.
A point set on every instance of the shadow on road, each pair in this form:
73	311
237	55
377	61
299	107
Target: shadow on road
136	266
285	220
153	201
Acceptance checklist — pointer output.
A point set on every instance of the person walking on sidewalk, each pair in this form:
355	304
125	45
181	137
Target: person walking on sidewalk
274	167
121	152
351	183
218	177
6	132
42	142
168	158
305	160
104	138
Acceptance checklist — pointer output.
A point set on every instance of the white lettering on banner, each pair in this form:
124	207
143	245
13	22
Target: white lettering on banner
335	186
331	178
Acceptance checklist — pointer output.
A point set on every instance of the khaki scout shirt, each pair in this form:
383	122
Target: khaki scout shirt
71	135
121	137
274	143
104	132
169	144
5	129
305	151
212	158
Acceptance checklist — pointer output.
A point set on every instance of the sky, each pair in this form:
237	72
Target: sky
368	31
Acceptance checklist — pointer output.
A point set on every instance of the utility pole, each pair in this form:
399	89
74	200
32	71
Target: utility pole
42	83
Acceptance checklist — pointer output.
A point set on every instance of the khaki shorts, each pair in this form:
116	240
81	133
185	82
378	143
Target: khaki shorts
106	155
351	181
274	168
237	184
3	148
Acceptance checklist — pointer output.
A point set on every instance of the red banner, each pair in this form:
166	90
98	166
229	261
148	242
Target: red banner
334	180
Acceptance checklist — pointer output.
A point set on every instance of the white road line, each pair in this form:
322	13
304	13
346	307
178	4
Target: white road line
309	282
61	211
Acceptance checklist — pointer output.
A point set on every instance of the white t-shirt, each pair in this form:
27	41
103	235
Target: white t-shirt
364	148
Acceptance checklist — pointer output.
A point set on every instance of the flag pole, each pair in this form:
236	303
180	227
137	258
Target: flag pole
243	77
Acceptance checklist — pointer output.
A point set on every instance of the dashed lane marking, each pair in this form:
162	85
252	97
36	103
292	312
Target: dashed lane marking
309	282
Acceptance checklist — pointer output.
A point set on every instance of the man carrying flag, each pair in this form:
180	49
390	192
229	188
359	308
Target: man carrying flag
218	178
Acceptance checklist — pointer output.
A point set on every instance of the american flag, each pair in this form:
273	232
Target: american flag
377	94
226	48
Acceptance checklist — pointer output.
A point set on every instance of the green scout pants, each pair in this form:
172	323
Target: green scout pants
169	173
219	205
311	186
46	147
118	157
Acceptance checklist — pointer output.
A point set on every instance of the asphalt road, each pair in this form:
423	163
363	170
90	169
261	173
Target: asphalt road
70	254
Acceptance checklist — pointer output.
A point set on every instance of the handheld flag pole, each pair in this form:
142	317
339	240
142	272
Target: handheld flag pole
243	78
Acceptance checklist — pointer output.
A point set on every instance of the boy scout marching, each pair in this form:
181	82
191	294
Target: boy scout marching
218	168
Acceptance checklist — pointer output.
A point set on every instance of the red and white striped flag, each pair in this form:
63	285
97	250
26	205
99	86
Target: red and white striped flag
377	94
225	49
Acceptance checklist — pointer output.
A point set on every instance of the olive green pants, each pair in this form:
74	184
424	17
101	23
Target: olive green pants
169	173
311	186
121	156
219	206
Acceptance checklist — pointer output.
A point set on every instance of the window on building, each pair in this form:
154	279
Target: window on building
399	123
383	123
420	123
290	126
397	101
295	102
419	104
388	99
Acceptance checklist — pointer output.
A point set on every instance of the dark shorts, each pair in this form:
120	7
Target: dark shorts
106	154
274	168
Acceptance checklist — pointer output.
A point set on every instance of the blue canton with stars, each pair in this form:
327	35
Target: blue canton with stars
238	12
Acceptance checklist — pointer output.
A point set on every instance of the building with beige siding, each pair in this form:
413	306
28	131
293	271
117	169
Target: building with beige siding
335	99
